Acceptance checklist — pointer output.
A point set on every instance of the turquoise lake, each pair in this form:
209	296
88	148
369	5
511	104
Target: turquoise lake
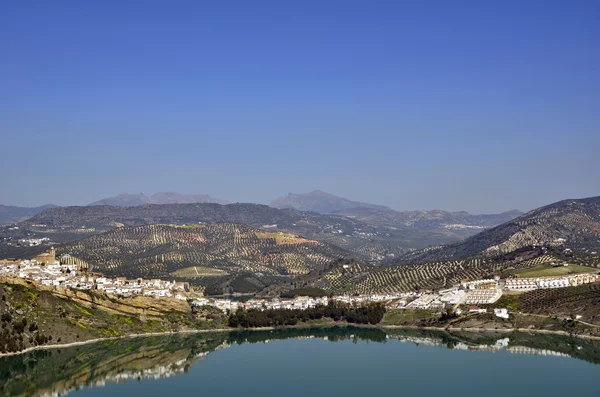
312	362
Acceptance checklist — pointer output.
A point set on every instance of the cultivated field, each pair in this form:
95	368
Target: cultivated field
214	250
362	279
547	270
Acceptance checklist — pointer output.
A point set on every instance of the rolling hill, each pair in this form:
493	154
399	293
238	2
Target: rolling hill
370	238
215	254
131	200
348	276
10	214
429	220
72	223
319	201
572	224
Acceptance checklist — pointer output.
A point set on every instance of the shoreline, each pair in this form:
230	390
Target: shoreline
95	340
332	325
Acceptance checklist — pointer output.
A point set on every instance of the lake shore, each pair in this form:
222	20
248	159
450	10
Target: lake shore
95	340
308	325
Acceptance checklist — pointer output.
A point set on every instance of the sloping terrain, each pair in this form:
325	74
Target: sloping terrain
366	241
430	220
369	242
573	224
160	251
10	214
564	302
351	277
35	316
319	201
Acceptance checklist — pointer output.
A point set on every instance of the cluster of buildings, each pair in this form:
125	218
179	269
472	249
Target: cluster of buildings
488	291
47	271
427	302
300	302
33	242
305	302
570	280
396	300
470	293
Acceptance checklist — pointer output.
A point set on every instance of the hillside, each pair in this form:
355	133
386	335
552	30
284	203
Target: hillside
319	201
572	224
430	220
40	316
131	200
369	242
359	278
564	302
10	214
220	255
108	217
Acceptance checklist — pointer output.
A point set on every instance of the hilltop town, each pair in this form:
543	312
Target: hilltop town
67	272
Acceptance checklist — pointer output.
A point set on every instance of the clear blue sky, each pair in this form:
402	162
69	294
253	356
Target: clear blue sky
481	106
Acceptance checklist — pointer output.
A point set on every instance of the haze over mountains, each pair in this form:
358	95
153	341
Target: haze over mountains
319	201
428	219
10	214
391	250
132	200
574	223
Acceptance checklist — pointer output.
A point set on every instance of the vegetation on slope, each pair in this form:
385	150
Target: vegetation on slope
581	301
359	278
369	241
238	254
32	317
574	224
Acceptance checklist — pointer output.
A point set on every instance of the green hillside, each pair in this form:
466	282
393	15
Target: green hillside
227	254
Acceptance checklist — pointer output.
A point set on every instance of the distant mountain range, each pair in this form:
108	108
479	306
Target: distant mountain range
226	243
11	214
132	200
322	202
370	234
428	219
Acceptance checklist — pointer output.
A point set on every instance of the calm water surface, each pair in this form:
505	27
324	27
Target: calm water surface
349	362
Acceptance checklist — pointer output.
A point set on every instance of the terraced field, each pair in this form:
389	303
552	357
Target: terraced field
573	224
362	279
198	271
572	301
546	270
214	250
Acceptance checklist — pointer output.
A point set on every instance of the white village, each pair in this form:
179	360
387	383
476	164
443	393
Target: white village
67	272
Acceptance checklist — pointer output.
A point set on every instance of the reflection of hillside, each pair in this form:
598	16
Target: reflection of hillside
59	371
64	370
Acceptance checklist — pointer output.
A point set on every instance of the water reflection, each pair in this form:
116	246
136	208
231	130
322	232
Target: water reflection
60	371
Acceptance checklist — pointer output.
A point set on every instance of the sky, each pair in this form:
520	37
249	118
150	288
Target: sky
481	106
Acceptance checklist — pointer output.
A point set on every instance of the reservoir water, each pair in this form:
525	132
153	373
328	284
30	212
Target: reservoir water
312	362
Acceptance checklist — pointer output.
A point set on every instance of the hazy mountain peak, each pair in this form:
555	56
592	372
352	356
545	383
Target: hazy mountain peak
320	201
132	200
